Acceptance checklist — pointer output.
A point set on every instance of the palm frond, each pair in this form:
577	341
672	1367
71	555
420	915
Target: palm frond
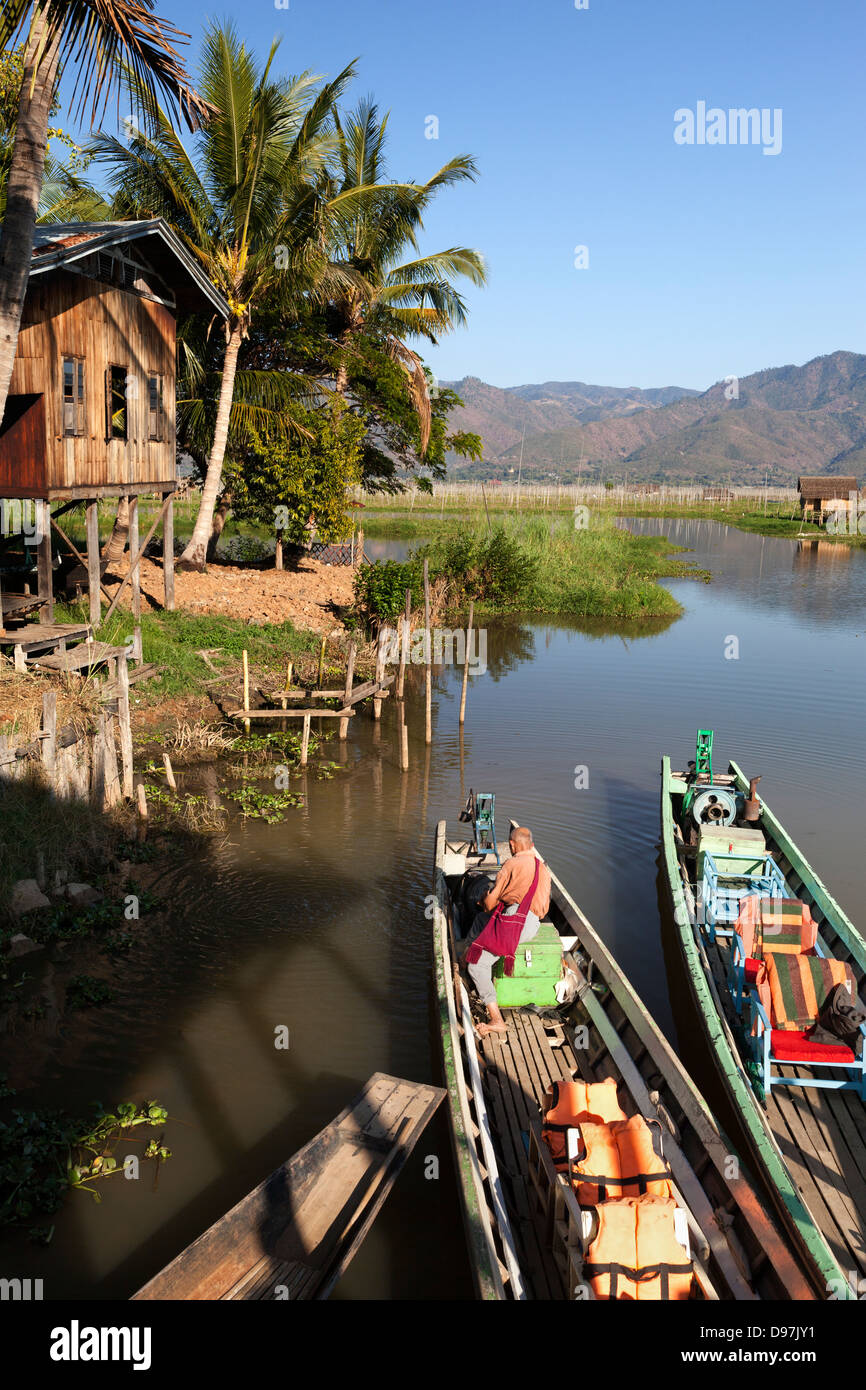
100	37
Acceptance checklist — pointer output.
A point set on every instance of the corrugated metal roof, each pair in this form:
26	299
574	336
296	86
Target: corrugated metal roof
58	243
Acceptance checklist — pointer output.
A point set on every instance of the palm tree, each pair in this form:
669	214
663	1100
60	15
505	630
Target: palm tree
99	37
245	201
381	292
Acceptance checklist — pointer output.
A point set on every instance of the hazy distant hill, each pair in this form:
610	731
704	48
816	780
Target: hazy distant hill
784	421
499	415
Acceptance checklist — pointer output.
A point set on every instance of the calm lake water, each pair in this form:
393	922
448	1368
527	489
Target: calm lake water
318	924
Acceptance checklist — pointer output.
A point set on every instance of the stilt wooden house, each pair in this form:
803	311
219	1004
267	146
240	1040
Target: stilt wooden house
91	407
821	496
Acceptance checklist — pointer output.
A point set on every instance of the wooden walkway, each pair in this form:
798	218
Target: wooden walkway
822	1135
79	658
35	637
369	690
517	1068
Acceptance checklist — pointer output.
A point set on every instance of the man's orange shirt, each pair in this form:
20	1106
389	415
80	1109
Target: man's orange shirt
514	881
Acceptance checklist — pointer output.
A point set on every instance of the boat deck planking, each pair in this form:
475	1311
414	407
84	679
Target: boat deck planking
729	1228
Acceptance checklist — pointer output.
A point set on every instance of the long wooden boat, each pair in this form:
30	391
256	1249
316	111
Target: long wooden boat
295	1234
807	1141
526	1234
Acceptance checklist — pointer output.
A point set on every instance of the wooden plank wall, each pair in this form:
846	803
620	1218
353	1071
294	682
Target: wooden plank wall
67	314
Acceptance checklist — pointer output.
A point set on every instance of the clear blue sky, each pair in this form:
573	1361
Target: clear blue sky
703	260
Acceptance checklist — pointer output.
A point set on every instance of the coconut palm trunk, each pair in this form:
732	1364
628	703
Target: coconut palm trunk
23	190
112	551
194	556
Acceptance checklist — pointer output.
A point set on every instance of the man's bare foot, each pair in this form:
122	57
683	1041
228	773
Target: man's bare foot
482	1029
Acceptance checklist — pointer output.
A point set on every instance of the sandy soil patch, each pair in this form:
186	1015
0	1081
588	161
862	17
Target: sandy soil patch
313	596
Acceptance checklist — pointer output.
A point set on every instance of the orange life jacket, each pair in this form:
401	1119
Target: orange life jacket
619	1161
636	1254
572	1102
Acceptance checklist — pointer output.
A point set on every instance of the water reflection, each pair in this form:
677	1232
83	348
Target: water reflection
318	923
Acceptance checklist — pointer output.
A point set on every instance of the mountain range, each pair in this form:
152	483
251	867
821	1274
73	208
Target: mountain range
769	426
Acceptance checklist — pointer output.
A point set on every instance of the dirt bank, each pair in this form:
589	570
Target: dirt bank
312	596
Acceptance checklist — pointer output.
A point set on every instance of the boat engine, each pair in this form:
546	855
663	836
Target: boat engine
714	806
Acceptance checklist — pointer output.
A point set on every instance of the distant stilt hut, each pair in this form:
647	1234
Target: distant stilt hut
819	497
91	407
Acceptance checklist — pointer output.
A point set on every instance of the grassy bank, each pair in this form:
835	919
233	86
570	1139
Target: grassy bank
429	518
535	564
175	642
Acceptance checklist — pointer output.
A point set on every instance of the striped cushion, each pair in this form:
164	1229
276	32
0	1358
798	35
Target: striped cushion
783	925
799	985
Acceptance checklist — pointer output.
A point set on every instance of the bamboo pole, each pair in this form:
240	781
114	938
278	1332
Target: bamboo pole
321	663
428	656
246	666
380	673
288	683
347	693
466	662
305	740
141	797
404	737
169	772
125	724
404	643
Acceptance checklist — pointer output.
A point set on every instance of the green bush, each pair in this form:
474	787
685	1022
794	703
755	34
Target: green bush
380	589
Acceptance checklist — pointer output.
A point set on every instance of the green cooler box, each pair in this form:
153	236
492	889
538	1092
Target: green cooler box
537	969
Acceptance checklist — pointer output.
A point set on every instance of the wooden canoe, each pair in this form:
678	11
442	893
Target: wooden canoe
295	1234
810	1145
523	1227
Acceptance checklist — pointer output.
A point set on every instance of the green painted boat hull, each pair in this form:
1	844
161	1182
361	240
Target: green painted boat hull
798	1220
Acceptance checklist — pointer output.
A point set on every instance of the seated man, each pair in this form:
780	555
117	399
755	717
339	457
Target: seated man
521	892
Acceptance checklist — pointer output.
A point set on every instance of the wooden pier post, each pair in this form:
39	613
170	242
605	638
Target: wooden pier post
246	666
380	673
92	530
168	554
112	781
428	657
321	663
141	796
404	643
49	745
134	543
359	550
46	577
125	724
169	772
404	737
466	662
347	694
305	740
